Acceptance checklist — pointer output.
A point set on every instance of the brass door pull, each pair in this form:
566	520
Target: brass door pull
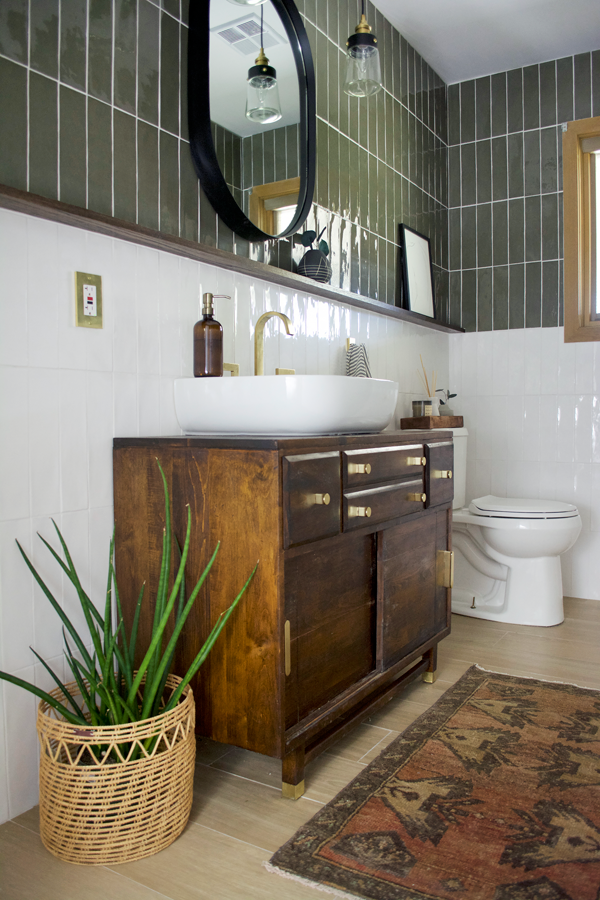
443	473
416	461
418	498
359	511
322	499
359	468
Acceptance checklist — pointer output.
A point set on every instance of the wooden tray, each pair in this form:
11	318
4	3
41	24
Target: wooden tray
432	422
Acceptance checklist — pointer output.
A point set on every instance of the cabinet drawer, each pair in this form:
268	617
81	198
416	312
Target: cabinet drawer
311	497
377	504
381	464
439	474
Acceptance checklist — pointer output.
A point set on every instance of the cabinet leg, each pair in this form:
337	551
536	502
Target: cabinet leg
431	674
292	774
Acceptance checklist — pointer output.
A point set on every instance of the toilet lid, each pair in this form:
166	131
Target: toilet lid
517	508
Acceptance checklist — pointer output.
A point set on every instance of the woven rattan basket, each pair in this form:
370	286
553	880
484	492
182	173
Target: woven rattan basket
115	794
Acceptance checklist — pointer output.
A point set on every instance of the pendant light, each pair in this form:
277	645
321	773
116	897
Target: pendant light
363	67
262	98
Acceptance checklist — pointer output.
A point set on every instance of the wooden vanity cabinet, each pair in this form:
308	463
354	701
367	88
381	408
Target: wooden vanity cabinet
351	595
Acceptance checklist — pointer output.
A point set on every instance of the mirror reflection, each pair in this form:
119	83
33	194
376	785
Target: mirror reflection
255	111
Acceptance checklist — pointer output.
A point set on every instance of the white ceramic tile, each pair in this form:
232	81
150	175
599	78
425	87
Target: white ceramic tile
4	808
516	361
100	434
13	308
72	348
123	304
532	341
583	428
498	409
125	400
531	428
42	292
44	441
456	358
499	477
485	426
548	424
550	338
583	571
168	420
149	405
100	534
582	493
16	591
14	443
548	480
566	428
584	367
567	360
485	359
595	499
515	416
500	363
21	745
47	640
481	484
566	479
147	308
75	528
73	412
523	479
595	425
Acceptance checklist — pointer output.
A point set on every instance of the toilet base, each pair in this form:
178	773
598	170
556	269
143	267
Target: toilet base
531	595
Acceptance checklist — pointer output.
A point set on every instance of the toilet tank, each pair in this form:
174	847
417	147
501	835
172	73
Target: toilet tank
460	436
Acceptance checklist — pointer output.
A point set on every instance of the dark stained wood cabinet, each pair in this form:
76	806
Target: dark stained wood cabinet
351	595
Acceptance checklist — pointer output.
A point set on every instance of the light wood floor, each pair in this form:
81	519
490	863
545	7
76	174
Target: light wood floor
239	817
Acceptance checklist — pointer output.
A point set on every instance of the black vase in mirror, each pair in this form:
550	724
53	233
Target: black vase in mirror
208	340
255	158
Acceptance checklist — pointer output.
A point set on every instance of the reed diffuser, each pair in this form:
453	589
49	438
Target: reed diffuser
429	386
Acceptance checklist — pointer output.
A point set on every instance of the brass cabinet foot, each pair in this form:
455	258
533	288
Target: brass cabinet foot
429	677
292	791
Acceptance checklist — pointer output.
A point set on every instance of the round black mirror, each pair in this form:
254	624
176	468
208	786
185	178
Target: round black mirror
251	114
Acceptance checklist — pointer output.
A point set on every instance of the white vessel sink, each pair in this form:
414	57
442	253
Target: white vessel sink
284	404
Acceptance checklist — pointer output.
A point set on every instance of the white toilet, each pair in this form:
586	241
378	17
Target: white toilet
507	552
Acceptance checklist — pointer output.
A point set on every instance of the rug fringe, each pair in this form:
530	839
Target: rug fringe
315	885
582	687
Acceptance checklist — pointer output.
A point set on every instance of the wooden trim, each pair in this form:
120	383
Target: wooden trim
55	211
264	217
577	232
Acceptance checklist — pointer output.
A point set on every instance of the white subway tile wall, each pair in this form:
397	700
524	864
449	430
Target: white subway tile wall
65	392
534	428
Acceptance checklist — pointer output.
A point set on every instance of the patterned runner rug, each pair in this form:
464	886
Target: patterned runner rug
493	794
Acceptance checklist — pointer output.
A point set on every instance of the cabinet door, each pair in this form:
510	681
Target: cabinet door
311	497
330	607
413	606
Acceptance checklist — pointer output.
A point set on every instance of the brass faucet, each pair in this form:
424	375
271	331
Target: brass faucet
259	338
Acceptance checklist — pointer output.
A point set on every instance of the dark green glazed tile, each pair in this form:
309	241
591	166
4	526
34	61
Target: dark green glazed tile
185	10
515	165
516	296
388	129
550	294
443	213
363	122
320	61
293	152
396	65
418	88
353	124
443	169
416	173
564	89
596	82
412	148
560	226
237	161
531	160
334	86
257	153
363	188
441	112
468	175
365	261
355	259
72	43
14	17
531	97
548	94
550	226
516	230
73	176
514	93
169	74
371	110
405	138
225	238
43	26
499	123
483	108
169	184
387	68
344	100
148	61
583	86
453	114
310	10
13	115
268	159
322	190
559	165
411	78
469	237
171	6
500	233
148	175
484	171
484	300
334	171
100	50
499	168
454	176
43	136
455	299
467	111
354	182
533	295
484	234
404	72
533	229
344	176
279	150
384	104
549	160
99	157
382	193
208	226
469	300
500	298
125	166
321	20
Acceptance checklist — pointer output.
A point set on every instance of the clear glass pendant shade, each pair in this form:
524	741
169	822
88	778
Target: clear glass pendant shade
247	2
262	98
363	71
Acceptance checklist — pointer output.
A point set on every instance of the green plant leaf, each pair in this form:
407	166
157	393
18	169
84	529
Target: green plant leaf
307	238
50	700
324	248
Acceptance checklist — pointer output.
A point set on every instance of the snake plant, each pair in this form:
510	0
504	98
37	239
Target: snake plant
109	690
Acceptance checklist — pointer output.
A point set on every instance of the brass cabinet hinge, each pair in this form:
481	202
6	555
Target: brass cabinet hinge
445	568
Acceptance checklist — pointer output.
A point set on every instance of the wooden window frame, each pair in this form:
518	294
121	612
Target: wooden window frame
261	217
578	232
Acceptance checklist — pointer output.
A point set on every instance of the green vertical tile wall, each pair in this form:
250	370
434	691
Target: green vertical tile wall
93	111
523	110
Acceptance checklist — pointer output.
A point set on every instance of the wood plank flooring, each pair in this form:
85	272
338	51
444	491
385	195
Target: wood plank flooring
239	817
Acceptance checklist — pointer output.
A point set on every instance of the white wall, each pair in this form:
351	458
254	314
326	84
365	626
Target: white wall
532	409
66	391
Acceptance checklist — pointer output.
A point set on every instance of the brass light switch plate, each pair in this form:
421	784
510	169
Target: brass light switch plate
88	300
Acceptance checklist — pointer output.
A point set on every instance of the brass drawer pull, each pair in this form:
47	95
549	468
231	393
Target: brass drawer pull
359	468
359	511
443	473
416	461
419	498
322	499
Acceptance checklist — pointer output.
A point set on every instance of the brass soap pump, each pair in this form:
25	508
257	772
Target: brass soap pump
208	340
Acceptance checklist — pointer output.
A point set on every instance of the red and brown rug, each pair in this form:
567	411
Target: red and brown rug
493	794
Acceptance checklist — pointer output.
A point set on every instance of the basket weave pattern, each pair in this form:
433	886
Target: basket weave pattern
113	794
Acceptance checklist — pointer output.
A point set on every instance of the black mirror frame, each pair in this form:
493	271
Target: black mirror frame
202	147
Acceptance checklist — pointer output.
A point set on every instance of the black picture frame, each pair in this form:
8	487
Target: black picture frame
417	273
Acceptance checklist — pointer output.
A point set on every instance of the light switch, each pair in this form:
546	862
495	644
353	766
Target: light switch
88	300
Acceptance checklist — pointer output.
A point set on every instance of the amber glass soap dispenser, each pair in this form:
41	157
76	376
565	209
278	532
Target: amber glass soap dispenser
208	341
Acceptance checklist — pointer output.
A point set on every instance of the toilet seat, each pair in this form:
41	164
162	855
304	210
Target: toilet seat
518	508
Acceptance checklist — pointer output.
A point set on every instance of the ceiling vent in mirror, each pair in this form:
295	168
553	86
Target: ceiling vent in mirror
244	35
